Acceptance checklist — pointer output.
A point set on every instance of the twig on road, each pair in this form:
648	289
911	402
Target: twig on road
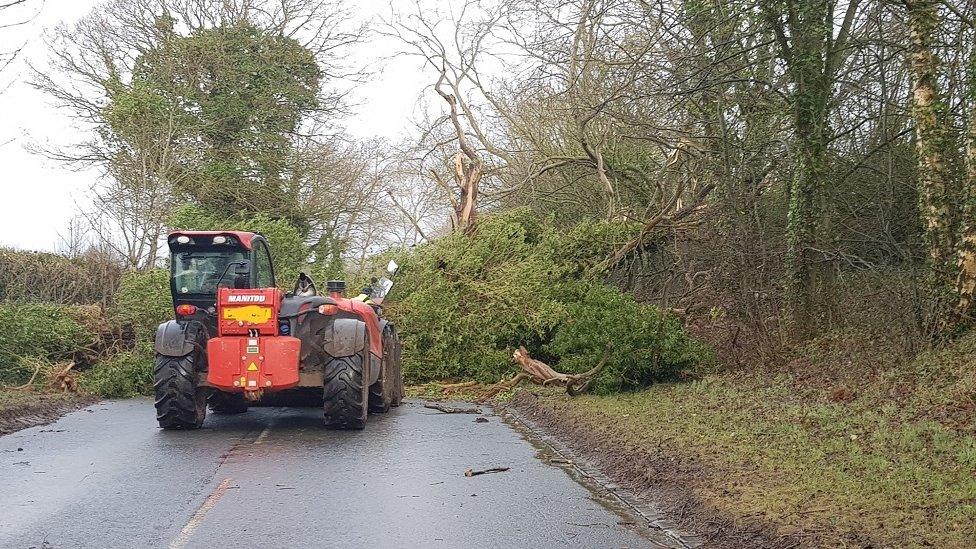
451	409
472	472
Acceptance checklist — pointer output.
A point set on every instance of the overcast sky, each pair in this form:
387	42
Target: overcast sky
41	196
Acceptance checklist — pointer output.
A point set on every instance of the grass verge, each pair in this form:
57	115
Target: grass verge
888	462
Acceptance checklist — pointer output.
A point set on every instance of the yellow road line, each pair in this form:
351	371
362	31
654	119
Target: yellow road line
187	532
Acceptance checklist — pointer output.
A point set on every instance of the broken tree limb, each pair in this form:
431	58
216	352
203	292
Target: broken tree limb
452	387
472	472
541	373
30	382
451	409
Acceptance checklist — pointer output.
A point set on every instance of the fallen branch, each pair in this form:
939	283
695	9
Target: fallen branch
30	382
541	373
454	387
451	409
472	472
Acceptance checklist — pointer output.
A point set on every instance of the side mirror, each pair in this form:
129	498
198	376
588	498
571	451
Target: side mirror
392	267
243	268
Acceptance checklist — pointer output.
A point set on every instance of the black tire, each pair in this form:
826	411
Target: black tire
226	403
381	393
345	393
180	404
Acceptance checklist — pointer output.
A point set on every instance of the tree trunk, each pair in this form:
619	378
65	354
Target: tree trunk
928	111
808	63
805	224
966	257
468	167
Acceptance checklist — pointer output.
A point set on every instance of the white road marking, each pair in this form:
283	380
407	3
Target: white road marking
263	435
187	532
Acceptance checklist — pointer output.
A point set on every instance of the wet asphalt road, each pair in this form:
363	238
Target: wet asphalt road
273	477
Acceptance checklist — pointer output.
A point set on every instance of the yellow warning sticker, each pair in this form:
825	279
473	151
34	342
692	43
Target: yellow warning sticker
243	380
252	367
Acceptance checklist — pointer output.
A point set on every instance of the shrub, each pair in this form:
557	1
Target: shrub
124	374
644	344
142	303
43	330
91	277
464	303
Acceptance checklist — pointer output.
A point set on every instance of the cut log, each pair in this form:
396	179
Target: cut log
65	379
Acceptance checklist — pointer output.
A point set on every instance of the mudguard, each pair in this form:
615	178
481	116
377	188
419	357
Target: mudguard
292	305
175	339
347	337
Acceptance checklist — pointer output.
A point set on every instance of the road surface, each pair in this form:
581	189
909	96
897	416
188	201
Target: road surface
106	476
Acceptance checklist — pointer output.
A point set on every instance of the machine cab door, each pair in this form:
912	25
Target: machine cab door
263	268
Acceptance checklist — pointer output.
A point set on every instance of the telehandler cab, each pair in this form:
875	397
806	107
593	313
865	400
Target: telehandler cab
238	340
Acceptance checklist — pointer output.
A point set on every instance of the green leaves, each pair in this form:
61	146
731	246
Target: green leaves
44	331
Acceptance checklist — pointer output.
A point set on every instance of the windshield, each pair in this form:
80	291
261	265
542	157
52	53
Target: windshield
197	272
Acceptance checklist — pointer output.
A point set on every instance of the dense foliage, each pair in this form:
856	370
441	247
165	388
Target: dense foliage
43	332
91	277
464	303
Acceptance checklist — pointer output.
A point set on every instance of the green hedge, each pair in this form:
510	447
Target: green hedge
43	331
121	375
141	304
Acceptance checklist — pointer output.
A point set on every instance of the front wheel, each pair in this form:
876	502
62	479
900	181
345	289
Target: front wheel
180	404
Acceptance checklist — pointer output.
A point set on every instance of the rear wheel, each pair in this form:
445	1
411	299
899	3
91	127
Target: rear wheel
180	404
345	392
226	403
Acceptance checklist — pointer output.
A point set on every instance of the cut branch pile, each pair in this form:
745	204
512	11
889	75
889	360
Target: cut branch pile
540	373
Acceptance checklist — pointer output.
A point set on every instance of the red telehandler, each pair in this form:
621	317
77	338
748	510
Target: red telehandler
238	340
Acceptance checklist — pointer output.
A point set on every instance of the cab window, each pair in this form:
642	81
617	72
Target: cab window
264	270
202	272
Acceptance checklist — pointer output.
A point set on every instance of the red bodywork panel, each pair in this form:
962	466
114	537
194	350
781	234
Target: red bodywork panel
243	237
248	354
253	363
